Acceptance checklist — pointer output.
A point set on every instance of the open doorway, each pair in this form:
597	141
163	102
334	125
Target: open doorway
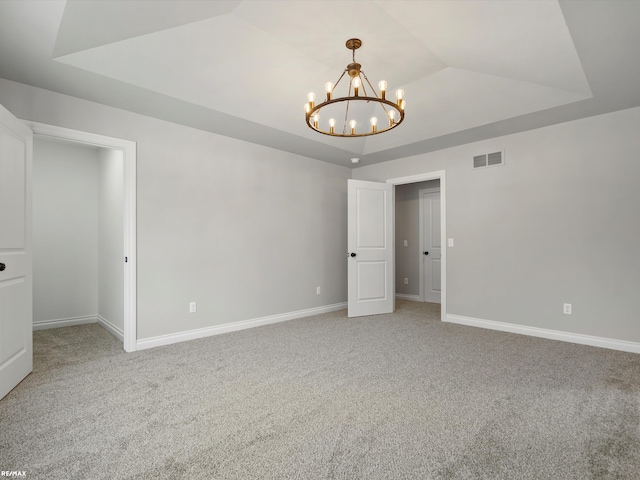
412	265
78	271
417	223
87	183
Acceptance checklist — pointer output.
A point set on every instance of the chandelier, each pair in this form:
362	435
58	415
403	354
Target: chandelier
359	90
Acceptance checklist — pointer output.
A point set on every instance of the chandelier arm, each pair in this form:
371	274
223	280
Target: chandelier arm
373	89
336	84
365	77
384	108
364	89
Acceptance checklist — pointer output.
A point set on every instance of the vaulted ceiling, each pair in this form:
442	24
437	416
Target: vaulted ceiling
471	69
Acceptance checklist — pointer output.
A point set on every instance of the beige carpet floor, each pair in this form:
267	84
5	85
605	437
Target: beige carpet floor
400	396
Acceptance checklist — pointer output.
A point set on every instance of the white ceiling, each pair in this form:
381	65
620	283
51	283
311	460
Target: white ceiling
470	69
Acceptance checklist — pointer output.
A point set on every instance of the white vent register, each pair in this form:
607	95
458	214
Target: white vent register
488	159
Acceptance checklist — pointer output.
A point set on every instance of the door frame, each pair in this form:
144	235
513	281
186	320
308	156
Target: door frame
421	238
422	177
128	149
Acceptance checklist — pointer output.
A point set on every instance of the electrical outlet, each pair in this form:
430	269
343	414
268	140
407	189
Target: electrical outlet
566	309
406	281
193	307
406	243
450	242
318	291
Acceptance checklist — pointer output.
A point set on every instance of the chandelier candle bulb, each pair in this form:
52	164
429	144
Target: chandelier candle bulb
356	86
332	125
399	95
383	89
352	124
311	97
328	88
392	116
316	118
374	122
307	108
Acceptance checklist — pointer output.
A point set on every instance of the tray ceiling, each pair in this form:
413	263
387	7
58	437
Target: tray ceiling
243	68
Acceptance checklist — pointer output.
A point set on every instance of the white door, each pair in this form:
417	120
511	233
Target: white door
370	243
16	352
431	245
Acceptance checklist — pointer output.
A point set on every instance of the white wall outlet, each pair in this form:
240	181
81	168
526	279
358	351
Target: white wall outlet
450	242
566	309
406	281
193	307
406	243
318	291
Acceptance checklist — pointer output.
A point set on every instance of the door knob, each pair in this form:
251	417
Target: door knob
352	254
426	253
2	267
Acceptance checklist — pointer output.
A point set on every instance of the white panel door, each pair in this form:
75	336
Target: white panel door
431	246
370	243
16	352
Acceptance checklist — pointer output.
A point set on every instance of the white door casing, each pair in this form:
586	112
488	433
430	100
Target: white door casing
371	251
16	341
430	245
128	149
423	177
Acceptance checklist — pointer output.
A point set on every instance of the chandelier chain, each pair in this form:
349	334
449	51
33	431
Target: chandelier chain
346	114
364	89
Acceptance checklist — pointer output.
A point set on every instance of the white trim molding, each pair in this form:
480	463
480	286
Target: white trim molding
110	327
420	177
578	338
128	149
234	326
406	296
64	322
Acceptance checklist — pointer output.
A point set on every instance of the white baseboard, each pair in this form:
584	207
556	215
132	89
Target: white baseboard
234	326
601	342
111	328
406	296
64	322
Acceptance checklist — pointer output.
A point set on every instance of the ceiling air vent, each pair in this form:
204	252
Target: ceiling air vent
488	159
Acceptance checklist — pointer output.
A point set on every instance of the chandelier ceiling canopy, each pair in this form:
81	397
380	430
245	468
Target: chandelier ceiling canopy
358	94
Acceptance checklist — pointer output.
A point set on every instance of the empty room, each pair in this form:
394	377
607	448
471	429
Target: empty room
257	239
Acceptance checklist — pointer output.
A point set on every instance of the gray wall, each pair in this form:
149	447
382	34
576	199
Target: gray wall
65	231
408	228
244	230
110	238
557	223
